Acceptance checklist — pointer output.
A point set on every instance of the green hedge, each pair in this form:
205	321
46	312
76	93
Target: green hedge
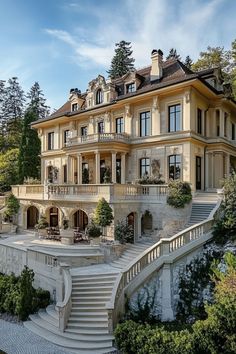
19	297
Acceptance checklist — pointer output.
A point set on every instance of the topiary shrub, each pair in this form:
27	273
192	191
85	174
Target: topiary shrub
124	233
179	194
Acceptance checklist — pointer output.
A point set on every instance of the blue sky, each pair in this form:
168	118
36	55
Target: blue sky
66	43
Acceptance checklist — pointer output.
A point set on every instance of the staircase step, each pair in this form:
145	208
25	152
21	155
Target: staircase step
81	347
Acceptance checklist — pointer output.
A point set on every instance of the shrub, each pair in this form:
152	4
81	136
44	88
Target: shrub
24	304
151	180
225	226
103	213
42	223
94	230
179	194
124	232
41	299
12	207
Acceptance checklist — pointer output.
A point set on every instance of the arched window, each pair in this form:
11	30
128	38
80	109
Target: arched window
99	96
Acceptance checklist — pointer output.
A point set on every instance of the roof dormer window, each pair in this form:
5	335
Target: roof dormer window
130	87
74	107
99	96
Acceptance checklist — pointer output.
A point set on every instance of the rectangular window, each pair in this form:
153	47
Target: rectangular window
225	124
74	107
199	121
175	166
84	131
130	87
145	124
233	131
119	125
65	173
101	127
174	118
66	137
118	170
51	141
144	167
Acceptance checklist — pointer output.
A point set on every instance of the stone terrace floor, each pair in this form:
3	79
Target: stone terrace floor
15	339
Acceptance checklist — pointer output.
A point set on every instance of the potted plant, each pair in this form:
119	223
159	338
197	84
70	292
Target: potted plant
41	226
12	208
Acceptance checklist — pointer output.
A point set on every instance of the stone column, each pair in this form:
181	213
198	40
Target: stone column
156	117
97	167
222	124
166	306
123	168
227	165
207	171
42	171
79	169
113	166
69	166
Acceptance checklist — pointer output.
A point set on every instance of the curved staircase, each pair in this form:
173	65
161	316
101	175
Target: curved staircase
93	287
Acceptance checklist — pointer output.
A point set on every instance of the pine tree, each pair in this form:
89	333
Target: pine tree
122	62
29	155
188	62
213	57
13	111
37	101
173	54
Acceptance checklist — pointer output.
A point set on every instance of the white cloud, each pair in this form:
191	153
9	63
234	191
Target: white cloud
147	24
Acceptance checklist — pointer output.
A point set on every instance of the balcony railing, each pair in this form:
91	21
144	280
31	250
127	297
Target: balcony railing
92	192
99	137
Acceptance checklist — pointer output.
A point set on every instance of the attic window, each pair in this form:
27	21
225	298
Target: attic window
130	87
99	96
74	107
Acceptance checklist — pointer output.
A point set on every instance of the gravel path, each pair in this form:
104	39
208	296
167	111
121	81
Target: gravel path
15	339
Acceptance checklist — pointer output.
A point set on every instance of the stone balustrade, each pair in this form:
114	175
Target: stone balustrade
92	192
158	252
99	137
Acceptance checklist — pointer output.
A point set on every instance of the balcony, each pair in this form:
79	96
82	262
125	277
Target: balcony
99	138
92	192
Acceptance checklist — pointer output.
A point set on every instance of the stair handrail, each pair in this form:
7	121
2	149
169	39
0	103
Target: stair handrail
64	307
163	247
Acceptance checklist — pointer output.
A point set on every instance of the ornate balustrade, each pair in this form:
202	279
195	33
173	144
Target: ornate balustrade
64	307
159	251
92	192
99	137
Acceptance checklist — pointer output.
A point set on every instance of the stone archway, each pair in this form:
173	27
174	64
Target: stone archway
80	219
53	216
32	217
132	221
146	222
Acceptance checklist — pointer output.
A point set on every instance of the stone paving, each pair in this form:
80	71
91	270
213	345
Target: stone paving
15	339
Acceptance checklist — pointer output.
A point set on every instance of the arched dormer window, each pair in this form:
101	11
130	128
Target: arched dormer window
99	96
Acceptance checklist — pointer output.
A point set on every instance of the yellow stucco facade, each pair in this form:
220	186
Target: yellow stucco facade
179	125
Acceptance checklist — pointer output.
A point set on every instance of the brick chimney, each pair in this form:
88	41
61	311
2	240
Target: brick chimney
156	69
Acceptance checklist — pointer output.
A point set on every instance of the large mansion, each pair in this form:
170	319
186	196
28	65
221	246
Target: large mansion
158	123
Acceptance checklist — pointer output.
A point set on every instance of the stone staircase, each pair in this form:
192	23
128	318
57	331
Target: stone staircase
202	206
87	328
131	253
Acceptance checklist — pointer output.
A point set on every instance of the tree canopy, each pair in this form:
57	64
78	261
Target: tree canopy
122	62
